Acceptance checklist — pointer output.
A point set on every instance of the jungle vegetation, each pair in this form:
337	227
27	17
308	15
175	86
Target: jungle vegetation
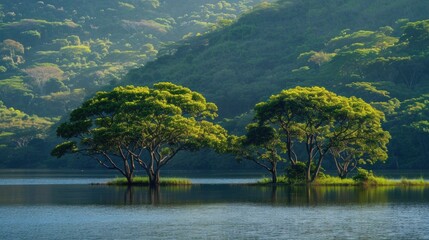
56	54
375	50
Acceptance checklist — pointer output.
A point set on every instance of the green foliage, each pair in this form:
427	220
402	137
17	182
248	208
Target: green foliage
296	173
14	120
367	178
138	125
416	35
363	175
259	54
92	44
74	51
335	181
323	123
32	34
370	90
24	24
371	181
262	145
127	6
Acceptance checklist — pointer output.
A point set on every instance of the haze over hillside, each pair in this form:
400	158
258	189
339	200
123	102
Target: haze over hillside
377	50
55	53
374	49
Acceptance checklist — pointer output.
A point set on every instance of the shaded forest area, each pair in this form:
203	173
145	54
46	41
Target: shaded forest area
55	54
377	50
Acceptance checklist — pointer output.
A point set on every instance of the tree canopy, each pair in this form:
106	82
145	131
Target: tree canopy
323	123
143	126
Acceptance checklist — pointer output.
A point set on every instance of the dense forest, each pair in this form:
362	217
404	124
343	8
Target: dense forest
377	50
55	54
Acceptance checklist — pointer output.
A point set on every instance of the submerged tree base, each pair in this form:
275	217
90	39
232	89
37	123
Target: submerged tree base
144	181
337	181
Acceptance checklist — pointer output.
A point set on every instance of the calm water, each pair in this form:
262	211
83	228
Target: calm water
47	205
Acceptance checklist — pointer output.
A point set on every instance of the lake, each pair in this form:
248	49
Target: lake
65	205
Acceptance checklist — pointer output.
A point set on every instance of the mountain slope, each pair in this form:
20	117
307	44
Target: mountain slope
373	49
253	58
55	53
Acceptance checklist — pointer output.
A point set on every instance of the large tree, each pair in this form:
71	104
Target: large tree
132	126
322	122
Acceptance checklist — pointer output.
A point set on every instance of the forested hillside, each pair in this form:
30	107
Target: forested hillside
56	53
374	49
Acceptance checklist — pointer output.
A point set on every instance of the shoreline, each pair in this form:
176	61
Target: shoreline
322	182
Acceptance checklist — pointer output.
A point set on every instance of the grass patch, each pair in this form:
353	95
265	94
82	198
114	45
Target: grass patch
144	181
381	181
337	181
414	182
280	179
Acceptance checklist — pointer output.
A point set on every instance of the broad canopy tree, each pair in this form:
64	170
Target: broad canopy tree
143	126
323	123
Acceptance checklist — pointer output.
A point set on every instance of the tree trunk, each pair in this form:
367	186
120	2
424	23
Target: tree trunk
129	178
274	176
316	172
274	172
308	173
154	178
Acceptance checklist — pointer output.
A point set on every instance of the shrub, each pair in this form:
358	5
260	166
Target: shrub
363	175
296	173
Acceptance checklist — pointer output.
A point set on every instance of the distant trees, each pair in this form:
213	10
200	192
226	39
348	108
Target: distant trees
20	128
12	52
94	50
416	35
376	55
320	58
132	126
319	123
13	47
41	74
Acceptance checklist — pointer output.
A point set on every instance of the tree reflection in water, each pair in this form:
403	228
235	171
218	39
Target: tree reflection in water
278	195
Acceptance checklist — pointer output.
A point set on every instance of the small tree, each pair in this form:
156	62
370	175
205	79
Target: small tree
13	50
138	125
41	74
12	47
261	145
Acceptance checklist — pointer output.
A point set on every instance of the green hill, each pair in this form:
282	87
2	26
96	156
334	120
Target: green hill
374	49
253	58
55	53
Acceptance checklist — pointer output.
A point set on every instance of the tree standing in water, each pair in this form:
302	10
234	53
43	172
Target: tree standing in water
132	126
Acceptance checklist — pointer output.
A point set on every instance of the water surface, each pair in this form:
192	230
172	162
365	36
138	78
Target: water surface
45	206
